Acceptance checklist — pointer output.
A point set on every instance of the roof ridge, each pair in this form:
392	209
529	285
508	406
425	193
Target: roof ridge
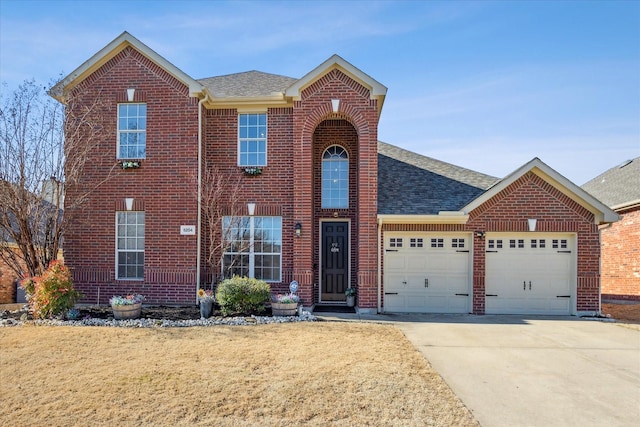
247	72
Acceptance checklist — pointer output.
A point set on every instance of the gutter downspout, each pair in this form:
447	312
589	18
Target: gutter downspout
379	265
199	220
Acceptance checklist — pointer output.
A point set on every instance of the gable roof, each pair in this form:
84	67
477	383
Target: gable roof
112	49
376	89
618	187
602	213
412	184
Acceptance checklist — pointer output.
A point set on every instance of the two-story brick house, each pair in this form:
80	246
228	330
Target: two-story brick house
321	201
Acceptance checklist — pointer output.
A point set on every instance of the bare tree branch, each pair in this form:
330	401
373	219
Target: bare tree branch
220	199
43	155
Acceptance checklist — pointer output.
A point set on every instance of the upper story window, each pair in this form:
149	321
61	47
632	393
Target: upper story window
132	131
335	178
252	140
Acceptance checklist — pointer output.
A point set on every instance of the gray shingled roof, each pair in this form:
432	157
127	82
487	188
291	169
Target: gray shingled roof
247	84
617	186
412	184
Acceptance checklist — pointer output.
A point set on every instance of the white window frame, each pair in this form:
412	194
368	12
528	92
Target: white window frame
333	177
126	243
245	138
239	234
134	130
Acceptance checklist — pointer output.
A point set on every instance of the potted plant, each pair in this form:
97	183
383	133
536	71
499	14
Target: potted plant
206	298
285	305
126	307
351	296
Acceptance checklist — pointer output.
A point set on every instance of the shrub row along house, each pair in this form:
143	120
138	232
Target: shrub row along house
290	176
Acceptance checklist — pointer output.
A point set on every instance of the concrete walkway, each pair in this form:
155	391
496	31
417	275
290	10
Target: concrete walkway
531	371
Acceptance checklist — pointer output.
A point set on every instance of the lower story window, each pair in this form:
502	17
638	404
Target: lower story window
130	245
253	247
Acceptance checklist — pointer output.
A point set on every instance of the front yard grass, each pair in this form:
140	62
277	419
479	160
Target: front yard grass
320	374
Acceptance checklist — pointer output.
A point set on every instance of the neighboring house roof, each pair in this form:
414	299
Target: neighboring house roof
247	84
412	184
601	212
618	187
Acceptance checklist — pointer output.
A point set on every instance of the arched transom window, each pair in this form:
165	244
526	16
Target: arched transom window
335	178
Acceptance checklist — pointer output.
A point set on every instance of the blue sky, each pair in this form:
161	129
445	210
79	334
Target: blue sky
484	85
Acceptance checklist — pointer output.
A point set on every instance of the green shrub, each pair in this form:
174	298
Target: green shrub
241	295
51	294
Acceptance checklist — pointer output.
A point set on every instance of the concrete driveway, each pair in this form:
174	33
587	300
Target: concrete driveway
534	371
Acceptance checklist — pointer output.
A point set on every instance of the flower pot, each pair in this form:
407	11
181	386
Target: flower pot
122	312
206	308
351	300
284	309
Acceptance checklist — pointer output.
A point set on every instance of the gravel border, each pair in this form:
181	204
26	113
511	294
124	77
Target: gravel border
163	323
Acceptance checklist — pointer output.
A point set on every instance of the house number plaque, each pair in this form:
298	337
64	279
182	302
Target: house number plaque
187	230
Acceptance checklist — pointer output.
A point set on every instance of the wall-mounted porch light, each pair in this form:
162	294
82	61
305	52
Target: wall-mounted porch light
298	229
479	234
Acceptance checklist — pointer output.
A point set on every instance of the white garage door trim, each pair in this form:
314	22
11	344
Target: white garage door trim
427	272
530	273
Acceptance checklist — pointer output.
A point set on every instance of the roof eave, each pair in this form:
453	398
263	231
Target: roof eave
277	99
112	49
602	214
443	217
626	205
377	90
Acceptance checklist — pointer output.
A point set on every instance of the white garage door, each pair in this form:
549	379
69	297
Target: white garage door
529	273
427	272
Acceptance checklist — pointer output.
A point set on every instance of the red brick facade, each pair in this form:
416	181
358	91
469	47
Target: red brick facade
8	279
337	105
163	187
621	257
293	169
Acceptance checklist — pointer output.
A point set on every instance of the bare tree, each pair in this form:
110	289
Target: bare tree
221	211
36	137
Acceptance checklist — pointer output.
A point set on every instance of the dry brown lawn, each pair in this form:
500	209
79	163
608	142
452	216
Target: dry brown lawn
320	374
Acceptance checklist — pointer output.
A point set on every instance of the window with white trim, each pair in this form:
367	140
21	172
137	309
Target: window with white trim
335	178
253	247
130	245
252	139
132	131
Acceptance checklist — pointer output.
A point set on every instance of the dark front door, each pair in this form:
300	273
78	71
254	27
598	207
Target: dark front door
335	261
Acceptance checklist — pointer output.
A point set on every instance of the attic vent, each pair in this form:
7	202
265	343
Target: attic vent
625	164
